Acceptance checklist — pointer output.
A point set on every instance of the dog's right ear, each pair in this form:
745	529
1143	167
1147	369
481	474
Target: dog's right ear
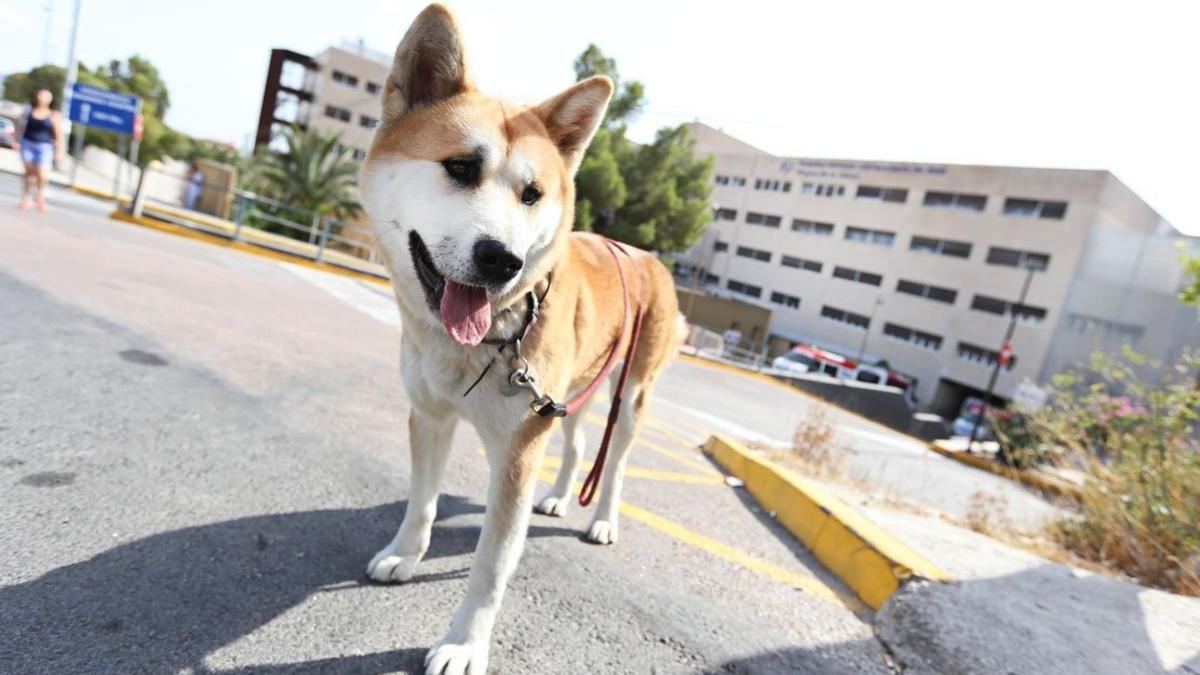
430	64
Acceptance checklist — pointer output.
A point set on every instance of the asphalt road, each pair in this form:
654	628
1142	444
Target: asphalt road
200	450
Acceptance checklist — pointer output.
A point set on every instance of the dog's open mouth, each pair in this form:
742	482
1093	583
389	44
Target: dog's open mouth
465	310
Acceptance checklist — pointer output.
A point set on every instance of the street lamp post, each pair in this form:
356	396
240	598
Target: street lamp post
696	270
862	347
1005	348
69	84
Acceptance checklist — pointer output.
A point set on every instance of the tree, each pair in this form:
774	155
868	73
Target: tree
1190	295
315	173
654	196
136	75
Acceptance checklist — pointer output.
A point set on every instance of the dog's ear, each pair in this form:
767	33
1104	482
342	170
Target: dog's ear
573	116
430	64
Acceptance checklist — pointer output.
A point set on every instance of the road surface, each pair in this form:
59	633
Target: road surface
200	450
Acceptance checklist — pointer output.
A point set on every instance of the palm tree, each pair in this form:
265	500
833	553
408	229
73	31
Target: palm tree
314	173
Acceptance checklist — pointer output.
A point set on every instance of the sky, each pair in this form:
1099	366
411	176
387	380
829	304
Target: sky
1053	83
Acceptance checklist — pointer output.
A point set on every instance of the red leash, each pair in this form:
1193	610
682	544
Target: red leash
593	478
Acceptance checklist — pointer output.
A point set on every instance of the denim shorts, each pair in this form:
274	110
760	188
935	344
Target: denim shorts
38	154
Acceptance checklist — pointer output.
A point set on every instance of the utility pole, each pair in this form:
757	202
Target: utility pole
69	84
696	270
1005	353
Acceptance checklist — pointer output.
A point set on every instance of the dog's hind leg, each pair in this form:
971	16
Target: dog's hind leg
429	436
558	499
603	529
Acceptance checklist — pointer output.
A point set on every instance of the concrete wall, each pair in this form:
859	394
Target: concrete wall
721	314
885	405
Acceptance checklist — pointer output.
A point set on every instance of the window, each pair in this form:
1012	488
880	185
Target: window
726	214
1021	259
772	185
801	264
1107	331
912	336
785	300
754	253
953	200
337	113
737	181
1033	208
842	316
719	246
823	189
936	293
1026	313
868	278
954	249
877	237
982	356
373	87
710	278
882	194
367	122
359	155
812	227
743	288
345	78
763	219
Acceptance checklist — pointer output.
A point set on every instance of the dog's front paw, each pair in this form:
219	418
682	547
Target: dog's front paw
448	658
602	532
388	568
553	505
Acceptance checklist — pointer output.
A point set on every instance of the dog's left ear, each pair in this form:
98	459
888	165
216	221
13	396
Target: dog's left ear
430	64
573	116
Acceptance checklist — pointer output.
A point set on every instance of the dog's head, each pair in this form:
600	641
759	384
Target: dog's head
470	196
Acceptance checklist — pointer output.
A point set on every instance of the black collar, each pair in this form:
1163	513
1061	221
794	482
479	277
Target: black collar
533	306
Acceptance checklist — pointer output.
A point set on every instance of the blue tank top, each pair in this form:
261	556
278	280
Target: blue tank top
39	131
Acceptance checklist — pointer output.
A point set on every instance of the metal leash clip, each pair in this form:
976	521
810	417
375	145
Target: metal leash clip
520	378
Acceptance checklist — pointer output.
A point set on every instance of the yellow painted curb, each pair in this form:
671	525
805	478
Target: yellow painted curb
1029	478
866	558
179	230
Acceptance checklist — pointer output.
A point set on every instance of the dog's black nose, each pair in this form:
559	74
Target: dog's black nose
495	263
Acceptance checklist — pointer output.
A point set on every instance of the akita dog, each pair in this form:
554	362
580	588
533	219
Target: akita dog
506	312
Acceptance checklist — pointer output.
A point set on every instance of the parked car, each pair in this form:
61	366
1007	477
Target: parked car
968	415
8	133
809	359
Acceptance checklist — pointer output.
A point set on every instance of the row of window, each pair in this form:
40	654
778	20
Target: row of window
868	278
968	352
1013	206
772	185
344	115
997	255
352	81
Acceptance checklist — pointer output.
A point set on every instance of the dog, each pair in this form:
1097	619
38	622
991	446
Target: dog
471	200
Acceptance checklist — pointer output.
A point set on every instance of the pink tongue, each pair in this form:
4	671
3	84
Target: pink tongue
466	313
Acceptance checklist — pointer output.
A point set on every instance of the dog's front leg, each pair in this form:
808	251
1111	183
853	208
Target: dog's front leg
513	463
429	435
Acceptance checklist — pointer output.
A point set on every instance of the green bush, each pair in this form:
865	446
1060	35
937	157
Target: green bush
1137	443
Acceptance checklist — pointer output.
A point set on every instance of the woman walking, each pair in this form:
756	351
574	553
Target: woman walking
41	138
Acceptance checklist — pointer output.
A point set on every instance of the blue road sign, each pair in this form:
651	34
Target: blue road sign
104	109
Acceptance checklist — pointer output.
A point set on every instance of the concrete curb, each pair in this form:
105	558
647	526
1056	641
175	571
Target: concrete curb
1027	478
244	247
866	558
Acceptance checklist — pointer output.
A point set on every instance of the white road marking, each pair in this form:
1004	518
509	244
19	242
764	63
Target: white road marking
374	304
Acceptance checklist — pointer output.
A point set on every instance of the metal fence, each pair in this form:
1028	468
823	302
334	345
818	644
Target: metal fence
211	202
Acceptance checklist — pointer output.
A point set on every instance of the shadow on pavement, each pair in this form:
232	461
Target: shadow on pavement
164	602
844	657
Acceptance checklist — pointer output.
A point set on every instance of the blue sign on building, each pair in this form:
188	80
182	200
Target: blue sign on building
104	109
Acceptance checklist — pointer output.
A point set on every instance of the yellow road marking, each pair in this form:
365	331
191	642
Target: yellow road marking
682	459
756	565
554	462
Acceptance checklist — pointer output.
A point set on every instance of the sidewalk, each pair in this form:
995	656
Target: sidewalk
1010	611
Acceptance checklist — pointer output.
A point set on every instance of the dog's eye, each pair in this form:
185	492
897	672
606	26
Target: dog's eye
463	171
530	195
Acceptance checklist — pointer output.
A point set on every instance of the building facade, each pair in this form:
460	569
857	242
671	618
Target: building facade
923	265
338	91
